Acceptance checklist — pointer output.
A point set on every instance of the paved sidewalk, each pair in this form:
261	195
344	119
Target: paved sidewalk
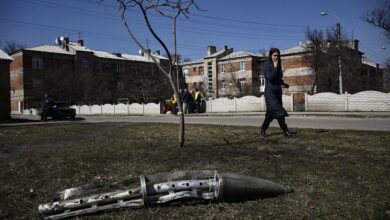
19	120
304	114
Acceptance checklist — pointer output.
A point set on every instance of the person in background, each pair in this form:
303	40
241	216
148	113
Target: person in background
174	104
188	101
273	93
47	106
197	99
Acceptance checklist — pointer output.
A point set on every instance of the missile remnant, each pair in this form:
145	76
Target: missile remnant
160	188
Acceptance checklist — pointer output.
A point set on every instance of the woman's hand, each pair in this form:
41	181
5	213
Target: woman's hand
276	63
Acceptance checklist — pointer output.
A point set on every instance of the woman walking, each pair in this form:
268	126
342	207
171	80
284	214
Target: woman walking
273	93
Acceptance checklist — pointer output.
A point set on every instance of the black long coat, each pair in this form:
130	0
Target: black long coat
273	91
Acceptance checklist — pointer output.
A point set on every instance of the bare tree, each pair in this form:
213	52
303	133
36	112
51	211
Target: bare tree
231	76
165	8
187	59
322	53
11	46
379	17
140	85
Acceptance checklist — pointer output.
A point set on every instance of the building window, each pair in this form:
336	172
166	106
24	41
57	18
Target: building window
84	62
201	72
120	86
229	67
242	83
210	76
262	81
37	63
221	68
194	69
185	72
119	68
242	65
37	83
223	84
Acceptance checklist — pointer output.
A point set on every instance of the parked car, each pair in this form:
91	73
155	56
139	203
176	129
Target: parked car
58	110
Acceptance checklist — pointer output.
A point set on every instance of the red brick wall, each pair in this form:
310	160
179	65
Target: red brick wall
299	80
16	81
295	62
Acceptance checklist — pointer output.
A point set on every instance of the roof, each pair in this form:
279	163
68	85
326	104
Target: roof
239	54
192	62
5	56
296	49
215	54
76	46
104	54
49	49
101	54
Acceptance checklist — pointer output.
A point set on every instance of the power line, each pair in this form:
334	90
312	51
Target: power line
153	14
221	26
199	31
159	24
55	29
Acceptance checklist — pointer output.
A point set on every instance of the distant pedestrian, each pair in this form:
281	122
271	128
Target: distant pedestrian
47	106
174	104
197	99
273	93
188	102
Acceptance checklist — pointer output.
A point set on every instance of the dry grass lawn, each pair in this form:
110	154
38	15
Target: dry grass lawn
335	174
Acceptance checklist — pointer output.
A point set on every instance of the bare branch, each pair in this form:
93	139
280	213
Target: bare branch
379	17
123	8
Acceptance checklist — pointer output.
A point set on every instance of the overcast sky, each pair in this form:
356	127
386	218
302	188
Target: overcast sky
246	25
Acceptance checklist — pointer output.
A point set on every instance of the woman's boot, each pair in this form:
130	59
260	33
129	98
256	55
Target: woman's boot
262	133
283	126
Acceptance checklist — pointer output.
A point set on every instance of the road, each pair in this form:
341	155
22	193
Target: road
316	122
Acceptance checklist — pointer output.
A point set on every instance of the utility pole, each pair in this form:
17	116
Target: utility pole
338	30
175	58
338	33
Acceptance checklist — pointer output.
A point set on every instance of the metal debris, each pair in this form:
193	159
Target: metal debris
160	188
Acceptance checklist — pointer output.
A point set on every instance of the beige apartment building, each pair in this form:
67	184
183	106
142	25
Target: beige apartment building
225	73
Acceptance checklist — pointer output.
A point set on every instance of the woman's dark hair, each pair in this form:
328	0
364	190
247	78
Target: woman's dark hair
273	50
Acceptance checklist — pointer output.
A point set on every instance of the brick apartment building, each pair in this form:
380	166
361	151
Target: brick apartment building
225	73
298	74
70	71
5	61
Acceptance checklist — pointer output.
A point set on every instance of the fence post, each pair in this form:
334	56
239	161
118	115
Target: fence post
306	102
292	102
263	102
346	101
143	109
114	109
101	109
235	104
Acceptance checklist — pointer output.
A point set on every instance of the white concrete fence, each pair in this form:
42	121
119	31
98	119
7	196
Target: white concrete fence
119	109
362	101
